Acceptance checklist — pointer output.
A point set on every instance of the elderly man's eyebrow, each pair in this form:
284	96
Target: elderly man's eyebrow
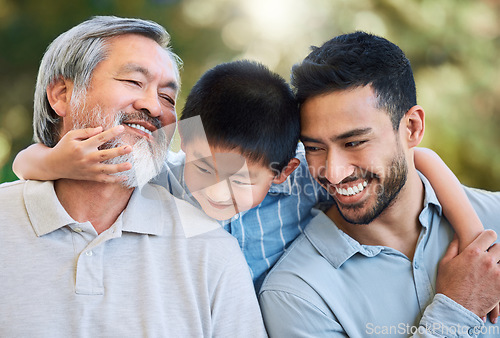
135	68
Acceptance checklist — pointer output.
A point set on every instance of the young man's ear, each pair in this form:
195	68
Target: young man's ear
413	126
291	166
59	95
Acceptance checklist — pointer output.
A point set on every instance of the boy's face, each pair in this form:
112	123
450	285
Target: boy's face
222	181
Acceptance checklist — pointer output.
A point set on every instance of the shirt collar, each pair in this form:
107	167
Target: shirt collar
44	210
337	247
150	202
147	210
282	188
430	195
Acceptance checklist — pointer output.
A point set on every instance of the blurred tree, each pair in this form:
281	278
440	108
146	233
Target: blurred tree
453	46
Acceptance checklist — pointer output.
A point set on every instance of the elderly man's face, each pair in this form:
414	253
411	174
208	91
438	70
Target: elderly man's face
136	87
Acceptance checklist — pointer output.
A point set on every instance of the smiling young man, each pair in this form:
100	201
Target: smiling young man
93	259
369	264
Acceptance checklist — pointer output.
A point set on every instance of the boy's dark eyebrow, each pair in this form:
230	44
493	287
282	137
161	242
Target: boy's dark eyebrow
133	67
346	135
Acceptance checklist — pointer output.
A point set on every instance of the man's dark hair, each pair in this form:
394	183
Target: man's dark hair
356	60
245	106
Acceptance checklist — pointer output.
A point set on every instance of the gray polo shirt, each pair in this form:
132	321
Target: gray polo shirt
147	275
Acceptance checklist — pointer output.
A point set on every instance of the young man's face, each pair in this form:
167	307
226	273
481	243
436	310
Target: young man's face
353	151
222	181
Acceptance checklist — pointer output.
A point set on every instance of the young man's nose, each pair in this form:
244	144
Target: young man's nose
337	168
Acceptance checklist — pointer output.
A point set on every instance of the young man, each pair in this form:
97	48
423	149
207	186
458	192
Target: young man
84	258
368	265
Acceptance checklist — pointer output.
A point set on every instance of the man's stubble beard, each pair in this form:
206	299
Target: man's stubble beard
147	158
387	192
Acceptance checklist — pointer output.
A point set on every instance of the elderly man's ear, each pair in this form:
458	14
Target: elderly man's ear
59	95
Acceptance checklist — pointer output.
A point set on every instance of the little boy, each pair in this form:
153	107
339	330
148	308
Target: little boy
241	164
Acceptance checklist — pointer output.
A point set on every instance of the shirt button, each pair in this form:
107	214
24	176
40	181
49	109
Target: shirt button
236	216
89	253
415	265
77	229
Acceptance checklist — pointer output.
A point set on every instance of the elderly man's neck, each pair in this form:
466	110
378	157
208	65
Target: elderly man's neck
98	203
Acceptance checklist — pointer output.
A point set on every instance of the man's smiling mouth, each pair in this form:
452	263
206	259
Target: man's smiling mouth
139	127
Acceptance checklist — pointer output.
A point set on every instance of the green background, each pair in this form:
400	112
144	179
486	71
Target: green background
454	47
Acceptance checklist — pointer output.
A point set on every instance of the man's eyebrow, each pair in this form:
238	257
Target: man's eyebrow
352	133
343	136
133	68
305	138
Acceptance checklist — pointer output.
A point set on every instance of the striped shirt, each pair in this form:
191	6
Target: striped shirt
265	231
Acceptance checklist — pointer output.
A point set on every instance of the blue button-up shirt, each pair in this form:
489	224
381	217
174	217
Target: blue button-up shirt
265	231
328	284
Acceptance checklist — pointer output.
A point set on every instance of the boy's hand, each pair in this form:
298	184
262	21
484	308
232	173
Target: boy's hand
76	156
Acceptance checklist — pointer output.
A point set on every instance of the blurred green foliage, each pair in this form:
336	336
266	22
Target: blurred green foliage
453	46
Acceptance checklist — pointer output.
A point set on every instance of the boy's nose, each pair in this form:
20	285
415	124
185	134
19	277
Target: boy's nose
219	192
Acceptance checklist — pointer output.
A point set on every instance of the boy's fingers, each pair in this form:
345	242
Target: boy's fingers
452	250
484	240
83	134
105	136
106	154
494	314
108	169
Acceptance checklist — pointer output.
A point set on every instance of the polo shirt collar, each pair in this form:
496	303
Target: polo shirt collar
44	210
147	210
337	247
145	213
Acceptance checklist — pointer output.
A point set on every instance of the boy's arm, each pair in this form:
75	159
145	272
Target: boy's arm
456	206
76	156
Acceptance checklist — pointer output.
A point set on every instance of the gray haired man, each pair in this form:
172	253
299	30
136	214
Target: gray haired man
87	259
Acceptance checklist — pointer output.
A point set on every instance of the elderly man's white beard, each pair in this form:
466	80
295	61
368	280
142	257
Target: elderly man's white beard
147	158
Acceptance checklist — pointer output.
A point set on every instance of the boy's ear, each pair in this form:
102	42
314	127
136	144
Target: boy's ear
413	126
59	95
290	167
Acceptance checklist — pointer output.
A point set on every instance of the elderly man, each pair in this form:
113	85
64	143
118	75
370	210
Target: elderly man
368	265
88	259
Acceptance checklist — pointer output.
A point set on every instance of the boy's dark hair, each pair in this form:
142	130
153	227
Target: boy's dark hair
356	60
245	106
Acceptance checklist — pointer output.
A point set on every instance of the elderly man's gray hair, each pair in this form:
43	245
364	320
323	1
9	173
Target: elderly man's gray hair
74	55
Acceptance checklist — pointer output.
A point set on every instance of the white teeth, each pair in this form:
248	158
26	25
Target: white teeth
350	191
141	128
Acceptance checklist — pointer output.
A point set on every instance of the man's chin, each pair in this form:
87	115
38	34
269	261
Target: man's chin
359	214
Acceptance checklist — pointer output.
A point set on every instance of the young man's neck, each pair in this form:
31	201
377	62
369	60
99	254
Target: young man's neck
98	203
397	227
